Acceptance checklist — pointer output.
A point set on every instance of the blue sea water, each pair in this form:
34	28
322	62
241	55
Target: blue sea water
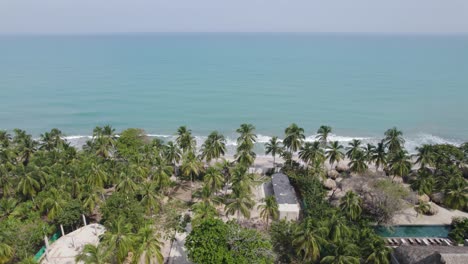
360	84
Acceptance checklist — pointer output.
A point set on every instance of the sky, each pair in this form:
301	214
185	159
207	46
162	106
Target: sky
110	16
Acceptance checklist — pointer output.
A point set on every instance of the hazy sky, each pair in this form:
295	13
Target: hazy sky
92	16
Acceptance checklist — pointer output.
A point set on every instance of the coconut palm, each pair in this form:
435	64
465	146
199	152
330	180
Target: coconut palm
161	172
92	254
148	246
25	146
214	179
424	183
104	140
400	164
425	156
185	140
6	181
245	156
273	147
350	204
247	136
28	185
203	210
322	134
239	203
172	153
214	147
191	166
5	139
379	157
334	152
150	198
308	239
6	253
342	252
54	202
294	138
369	152
92	200
311	152
7	206
456	193
337	228
97	176
379	253
127	183
394	140
119	240
353	147
422	208
269	210
358	162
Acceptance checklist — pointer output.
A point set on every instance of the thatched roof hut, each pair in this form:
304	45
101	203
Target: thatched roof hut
429	255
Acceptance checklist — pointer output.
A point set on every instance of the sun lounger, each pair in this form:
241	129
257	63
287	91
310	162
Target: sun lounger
448	242
403	242
412	242
426	242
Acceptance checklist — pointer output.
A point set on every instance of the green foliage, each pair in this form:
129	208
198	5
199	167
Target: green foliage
130	142
70	216
459	230
214	241
120	205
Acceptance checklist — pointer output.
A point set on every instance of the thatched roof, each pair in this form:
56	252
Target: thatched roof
431	255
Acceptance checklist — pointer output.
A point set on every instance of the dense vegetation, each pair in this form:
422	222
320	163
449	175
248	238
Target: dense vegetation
133	186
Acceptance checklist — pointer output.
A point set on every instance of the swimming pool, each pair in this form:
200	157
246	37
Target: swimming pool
414	231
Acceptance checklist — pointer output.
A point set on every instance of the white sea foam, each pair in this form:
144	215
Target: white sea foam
411	142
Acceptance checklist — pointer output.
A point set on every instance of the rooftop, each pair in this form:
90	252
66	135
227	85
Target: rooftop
431	254
282	189
64	250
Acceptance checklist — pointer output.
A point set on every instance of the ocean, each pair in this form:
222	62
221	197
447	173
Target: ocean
360	84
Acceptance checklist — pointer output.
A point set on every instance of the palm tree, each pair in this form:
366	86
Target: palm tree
25	145
172	153
245	156
214	179
269	210
379	157
191	166
338	228
148	245
358	162
350	204
150	199
161	172
6	253
294	138
247	136
425	156
214	146
353	147
424	182
92	254
127	184
7	207
334	152
307	241
422	208
369	152
185	140
5	139
322	134
456	193
119	240
394	140
239	203
54	202
311	152
104	139
97	176
273	147
342	253
6	181
379	253
28	185
400	164
203	210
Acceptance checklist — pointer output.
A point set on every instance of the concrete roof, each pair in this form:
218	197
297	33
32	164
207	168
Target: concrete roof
283	191
64	250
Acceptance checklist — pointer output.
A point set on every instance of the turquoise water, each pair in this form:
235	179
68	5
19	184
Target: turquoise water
359	84
414	231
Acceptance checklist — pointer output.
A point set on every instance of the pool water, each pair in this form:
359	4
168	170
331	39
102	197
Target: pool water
414	231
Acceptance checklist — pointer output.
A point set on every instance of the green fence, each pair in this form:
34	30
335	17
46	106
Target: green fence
41	251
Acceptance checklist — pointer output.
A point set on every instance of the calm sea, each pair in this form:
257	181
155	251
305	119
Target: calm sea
358	84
